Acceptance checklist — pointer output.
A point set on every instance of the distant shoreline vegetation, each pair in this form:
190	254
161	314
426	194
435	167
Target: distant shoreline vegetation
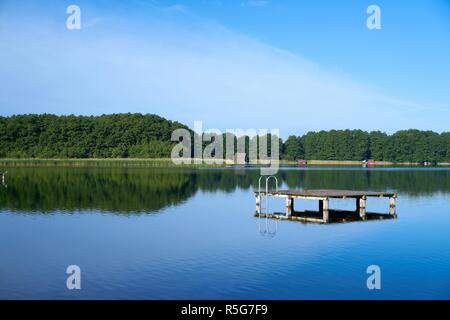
138	137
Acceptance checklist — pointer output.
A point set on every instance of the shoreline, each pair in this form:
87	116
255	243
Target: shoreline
166	162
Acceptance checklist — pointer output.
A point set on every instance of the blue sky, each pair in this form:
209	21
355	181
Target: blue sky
292	65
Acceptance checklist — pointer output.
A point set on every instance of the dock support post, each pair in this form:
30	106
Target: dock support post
258	204
362	208
289	206
392	206
324	207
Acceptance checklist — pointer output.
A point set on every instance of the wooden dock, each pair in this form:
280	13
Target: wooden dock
323	196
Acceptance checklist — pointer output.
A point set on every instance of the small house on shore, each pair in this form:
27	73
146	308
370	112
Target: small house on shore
368	163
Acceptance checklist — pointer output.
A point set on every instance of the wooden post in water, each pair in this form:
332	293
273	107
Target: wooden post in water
289	206
392	206
324	207
362	207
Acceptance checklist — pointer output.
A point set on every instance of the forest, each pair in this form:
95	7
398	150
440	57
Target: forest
105	136
130	135
402	146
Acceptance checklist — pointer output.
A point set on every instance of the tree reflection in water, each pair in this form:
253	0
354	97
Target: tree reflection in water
148	190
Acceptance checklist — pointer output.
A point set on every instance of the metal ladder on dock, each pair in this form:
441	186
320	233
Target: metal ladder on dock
266	231
267	192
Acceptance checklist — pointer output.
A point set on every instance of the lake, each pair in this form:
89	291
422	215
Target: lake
172	233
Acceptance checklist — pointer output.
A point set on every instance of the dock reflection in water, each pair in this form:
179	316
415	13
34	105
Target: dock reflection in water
334	216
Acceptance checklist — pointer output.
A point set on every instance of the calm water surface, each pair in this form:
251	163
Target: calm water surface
191	233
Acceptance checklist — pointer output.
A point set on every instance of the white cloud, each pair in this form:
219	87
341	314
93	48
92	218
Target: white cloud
184	73
175	8
255	3
92	23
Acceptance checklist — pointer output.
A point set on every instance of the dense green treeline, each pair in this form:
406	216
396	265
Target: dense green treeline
106	136
148	136
402	146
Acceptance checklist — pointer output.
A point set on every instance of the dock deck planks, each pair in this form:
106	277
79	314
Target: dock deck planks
328	193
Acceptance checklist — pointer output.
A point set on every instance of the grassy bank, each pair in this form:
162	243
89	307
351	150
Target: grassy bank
166	162
87	162
359	163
